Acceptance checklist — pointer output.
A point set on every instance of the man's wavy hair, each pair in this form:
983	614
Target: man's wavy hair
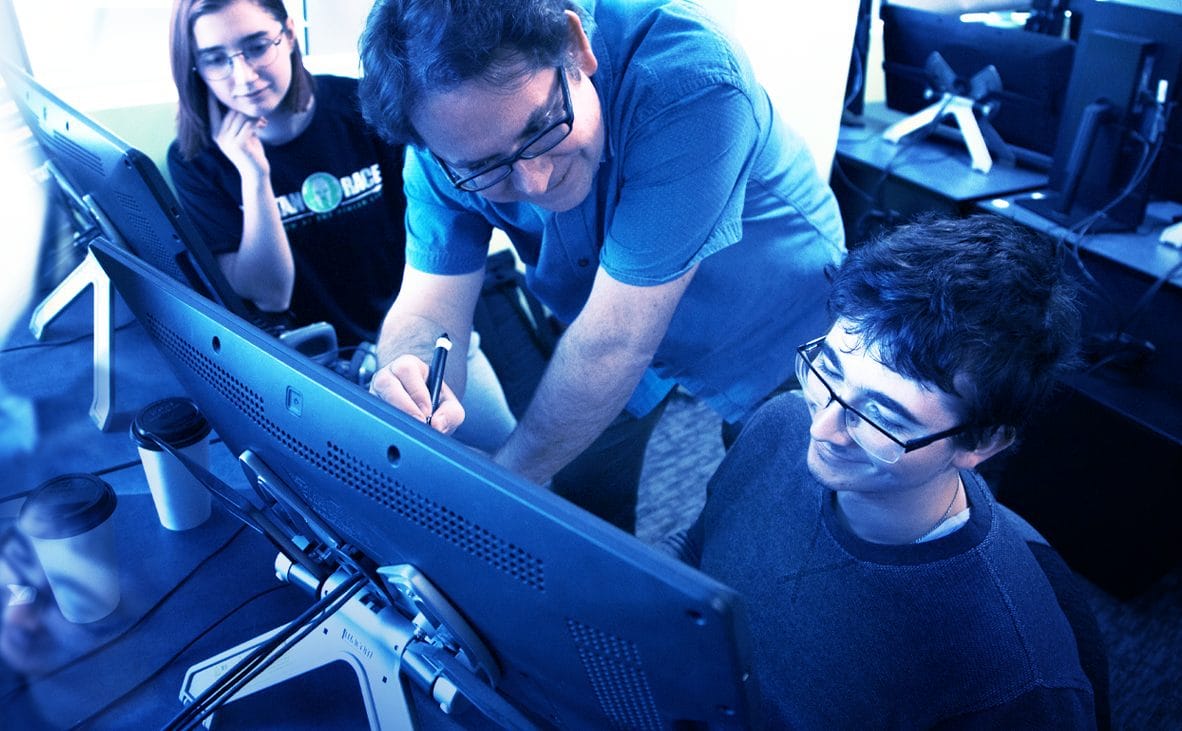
414	47
979	307
192	118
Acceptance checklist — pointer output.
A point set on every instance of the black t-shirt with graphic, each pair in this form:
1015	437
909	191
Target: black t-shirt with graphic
339	191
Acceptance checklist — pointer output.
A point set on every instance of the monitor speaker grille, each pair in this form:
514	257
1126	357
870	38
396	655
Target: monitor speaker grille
86	158
349	469
233	390
438	519
145	239
617	676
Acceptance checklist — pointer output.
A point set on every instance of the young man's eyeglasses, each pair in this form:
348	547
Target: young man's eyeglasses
538	145
216	65
870	436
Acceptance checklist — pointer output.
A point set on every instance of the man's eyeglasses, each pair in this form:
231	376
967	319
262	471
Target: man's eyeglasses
538	145
217	65
870	436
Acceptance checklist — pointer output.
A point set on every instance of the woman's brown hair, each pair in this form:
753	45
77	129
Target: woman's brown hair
192	117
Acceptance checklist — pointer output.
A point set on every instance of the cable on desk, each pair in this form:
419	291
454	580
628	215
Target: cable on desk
874	199
1117	341
134	625
1143	303
177	655
115	468
124	465
61	343
9	498
1125	348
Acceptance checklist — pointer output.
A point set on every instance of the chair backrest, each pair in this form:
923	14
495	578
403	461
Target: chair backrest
1093	653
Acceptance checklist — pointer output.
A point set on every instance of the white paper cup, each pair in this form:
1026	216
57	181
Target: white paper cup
67	519
181	501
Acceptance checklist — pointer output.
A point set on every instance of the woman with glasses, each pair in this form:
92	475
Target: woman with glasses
301	203
884	585
299	199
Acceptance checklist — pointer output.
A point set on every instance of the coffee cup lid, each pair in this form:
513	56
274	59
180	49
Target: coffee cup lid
66	506
177	421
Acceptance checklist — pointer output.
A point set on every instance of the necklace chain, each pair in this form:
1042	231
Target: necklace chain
947	512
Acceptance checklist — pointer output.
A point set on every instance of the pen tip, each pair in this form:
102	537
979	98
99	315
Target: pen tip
443	342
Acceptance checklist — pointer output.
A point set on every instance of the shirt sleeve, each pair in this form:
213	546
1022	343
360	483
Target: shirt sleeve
200	188
443	236
683	183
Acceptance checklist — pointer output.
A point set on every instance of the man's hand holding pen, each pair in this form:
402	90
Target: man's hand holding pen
415	388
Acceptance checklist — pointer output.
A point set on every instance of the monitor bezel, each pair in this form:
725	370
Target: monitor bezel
103	171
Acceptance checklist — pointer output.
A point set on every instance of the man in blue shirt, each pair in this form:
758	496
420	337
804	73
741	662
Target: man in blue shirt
662	212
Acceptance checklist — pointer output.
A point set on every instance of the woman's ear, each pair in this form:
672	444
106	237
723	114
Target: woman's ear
991	443
580	44
290	30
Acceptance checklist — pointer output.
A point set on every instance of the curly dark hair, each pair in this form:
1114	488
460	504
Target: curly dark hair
980	307
412	47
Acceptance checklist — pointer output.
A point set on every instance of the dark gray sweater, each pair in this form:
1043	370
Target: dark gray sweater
961	631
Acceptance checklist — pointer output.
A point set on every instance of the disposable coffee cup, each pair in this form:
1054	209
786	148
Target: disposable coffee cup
67	519
182	502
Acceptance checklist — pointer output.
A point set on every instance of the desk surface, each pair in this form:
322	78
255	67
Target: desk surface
185	596
1138	250
937	165
1126	270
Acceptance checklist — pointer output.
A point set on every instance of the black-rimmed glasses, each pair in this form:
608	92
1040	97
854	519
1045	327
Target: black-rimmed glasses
538	145
216	65
870	436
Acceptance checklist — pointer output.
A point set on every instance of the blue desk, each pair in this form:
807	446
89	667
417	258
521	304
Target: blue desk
185	596
877	181
1125	266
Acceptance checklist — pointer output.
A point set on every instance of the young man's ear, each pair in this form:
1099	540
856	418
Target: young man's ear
991	443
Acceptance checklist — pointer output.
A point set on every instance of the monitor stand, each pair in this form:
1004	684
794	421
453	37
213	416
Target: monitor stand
87	274
384	648
391	625
962	109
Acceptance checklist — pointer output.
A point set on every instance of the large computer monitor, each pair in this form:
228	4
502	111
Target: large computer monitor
1034	68
118	190
1127	48
588	627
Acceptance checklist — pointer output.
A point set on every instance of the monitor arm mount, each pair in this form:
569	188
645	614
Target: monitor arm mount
971	104
389	623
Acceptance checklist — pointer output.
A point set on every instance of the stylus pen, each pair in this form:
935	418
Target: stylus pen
435	374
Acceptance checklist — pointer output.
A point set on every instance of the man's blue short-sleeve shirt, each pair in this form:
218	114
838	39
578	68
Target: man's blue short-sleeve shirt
697	170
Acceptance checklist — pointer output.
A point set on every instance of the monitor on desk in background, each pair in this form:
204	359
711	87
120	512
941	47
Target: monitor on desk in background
1034	70
590	628
1115	152
109	183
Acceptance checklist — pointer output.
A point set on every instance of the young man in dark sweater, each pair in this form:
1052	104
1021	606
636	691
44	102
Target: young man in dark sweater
883	585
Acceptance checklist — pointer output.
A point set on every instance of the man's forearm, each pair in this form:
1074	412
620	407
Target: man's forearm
404	333
584	388
427	306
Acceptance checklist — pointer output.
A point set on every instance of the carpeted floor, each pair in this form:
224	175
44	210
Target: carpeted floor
1143	634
